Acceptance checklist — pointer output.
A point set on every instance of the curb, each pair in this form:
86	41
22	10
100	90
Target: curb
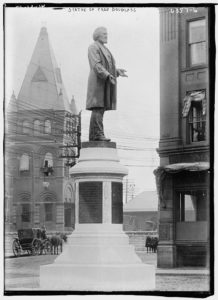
178	272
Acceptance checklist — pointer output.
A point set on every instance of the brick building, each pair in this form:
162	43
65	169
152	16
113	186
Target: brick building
140	213
40	123
183	176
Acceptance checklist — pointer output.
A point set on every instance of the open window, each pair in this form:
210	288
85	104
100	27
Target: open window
48	164
195	111
191	206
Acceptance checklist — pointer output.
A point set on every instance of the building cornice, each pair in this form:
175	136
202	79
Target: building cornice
183	150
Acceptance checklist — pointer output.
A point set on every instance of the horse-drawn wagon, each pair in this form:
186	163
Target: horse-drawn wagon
31	241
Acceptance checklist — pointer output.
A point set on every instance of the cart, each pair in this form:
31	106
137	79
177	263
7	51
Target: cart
31	242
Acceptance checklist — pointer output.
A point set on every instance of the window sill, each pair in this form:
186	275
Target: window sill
203	66
200	143
24	173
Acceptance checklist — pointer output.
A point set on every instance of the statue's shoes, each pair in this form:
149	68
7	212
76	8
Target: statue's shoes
102	139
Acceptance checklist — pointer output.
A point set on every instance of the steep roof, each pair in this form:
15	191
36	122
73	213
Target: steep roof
145	201
12	105
42	86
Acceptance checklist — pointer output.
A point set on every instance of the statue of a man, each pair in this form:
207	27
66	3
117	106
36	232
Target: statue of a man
102	83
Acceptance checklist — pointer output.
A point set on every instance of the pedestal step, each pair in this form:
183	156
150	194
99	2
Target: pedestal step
99	259
110	277
98	254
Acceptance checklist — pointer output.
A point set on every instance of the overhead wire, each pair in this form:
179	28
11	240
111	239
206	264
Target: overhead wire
38	111
26	105
61	131
59	120
46	136
37	131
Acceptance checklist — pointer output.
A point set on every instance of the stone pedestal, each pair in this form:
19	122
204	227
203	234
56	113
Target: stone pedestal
98	256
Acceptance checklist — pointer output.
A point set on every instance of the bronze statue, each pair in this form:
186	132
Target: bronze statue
102	83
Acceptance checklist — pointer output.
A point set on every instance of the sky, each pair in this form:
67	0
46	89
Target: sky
133	39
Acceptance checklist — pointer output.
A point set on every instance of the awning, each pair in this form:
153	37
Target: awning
161	173
194	96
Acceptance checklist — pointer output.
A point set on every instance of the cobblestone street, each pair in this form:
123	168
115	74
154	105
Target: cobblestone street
22	273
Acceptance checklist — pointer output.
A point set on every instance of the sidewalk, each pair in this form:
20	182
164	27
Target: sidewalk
23	273
151	258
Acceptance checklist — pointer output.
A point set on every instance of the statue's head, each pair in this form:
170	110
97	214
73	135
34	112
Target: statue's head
100	35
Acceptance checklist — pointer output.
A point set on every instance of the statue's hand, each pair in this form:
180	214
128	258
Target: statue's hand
112	79
122	72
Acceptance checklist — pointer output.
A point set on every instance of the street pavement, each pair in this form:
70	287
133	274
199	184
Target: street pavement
22	273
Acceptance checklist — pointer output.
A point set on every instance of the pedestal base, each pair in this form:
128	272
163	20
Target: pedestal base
106	278
98	258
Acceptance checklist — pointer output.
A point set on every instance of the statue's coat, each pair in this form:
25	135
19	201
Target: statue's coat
100	93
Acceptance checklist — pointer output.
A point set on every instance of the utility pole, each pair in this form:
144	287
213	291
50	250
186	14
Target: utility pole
126	189
33	198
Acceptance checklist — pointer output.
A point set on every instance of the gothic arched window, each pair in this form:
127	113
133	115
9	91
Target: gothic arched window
24	162
47	126
37	127
26	127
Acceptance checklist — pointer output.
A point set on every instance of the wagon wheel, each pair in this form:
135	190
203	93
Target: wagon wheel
16	248
47	247
36	247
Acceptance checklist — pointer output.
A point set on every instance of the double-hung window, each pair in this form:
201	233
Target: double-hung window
48	212
197	42
25	213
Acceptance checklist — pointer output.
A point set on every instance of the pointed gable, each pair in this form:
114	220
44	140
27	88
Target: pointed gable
42	83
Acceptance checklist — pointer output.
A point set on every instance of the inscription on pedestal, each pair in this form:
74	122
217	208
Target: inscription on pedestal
117	203
90	202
